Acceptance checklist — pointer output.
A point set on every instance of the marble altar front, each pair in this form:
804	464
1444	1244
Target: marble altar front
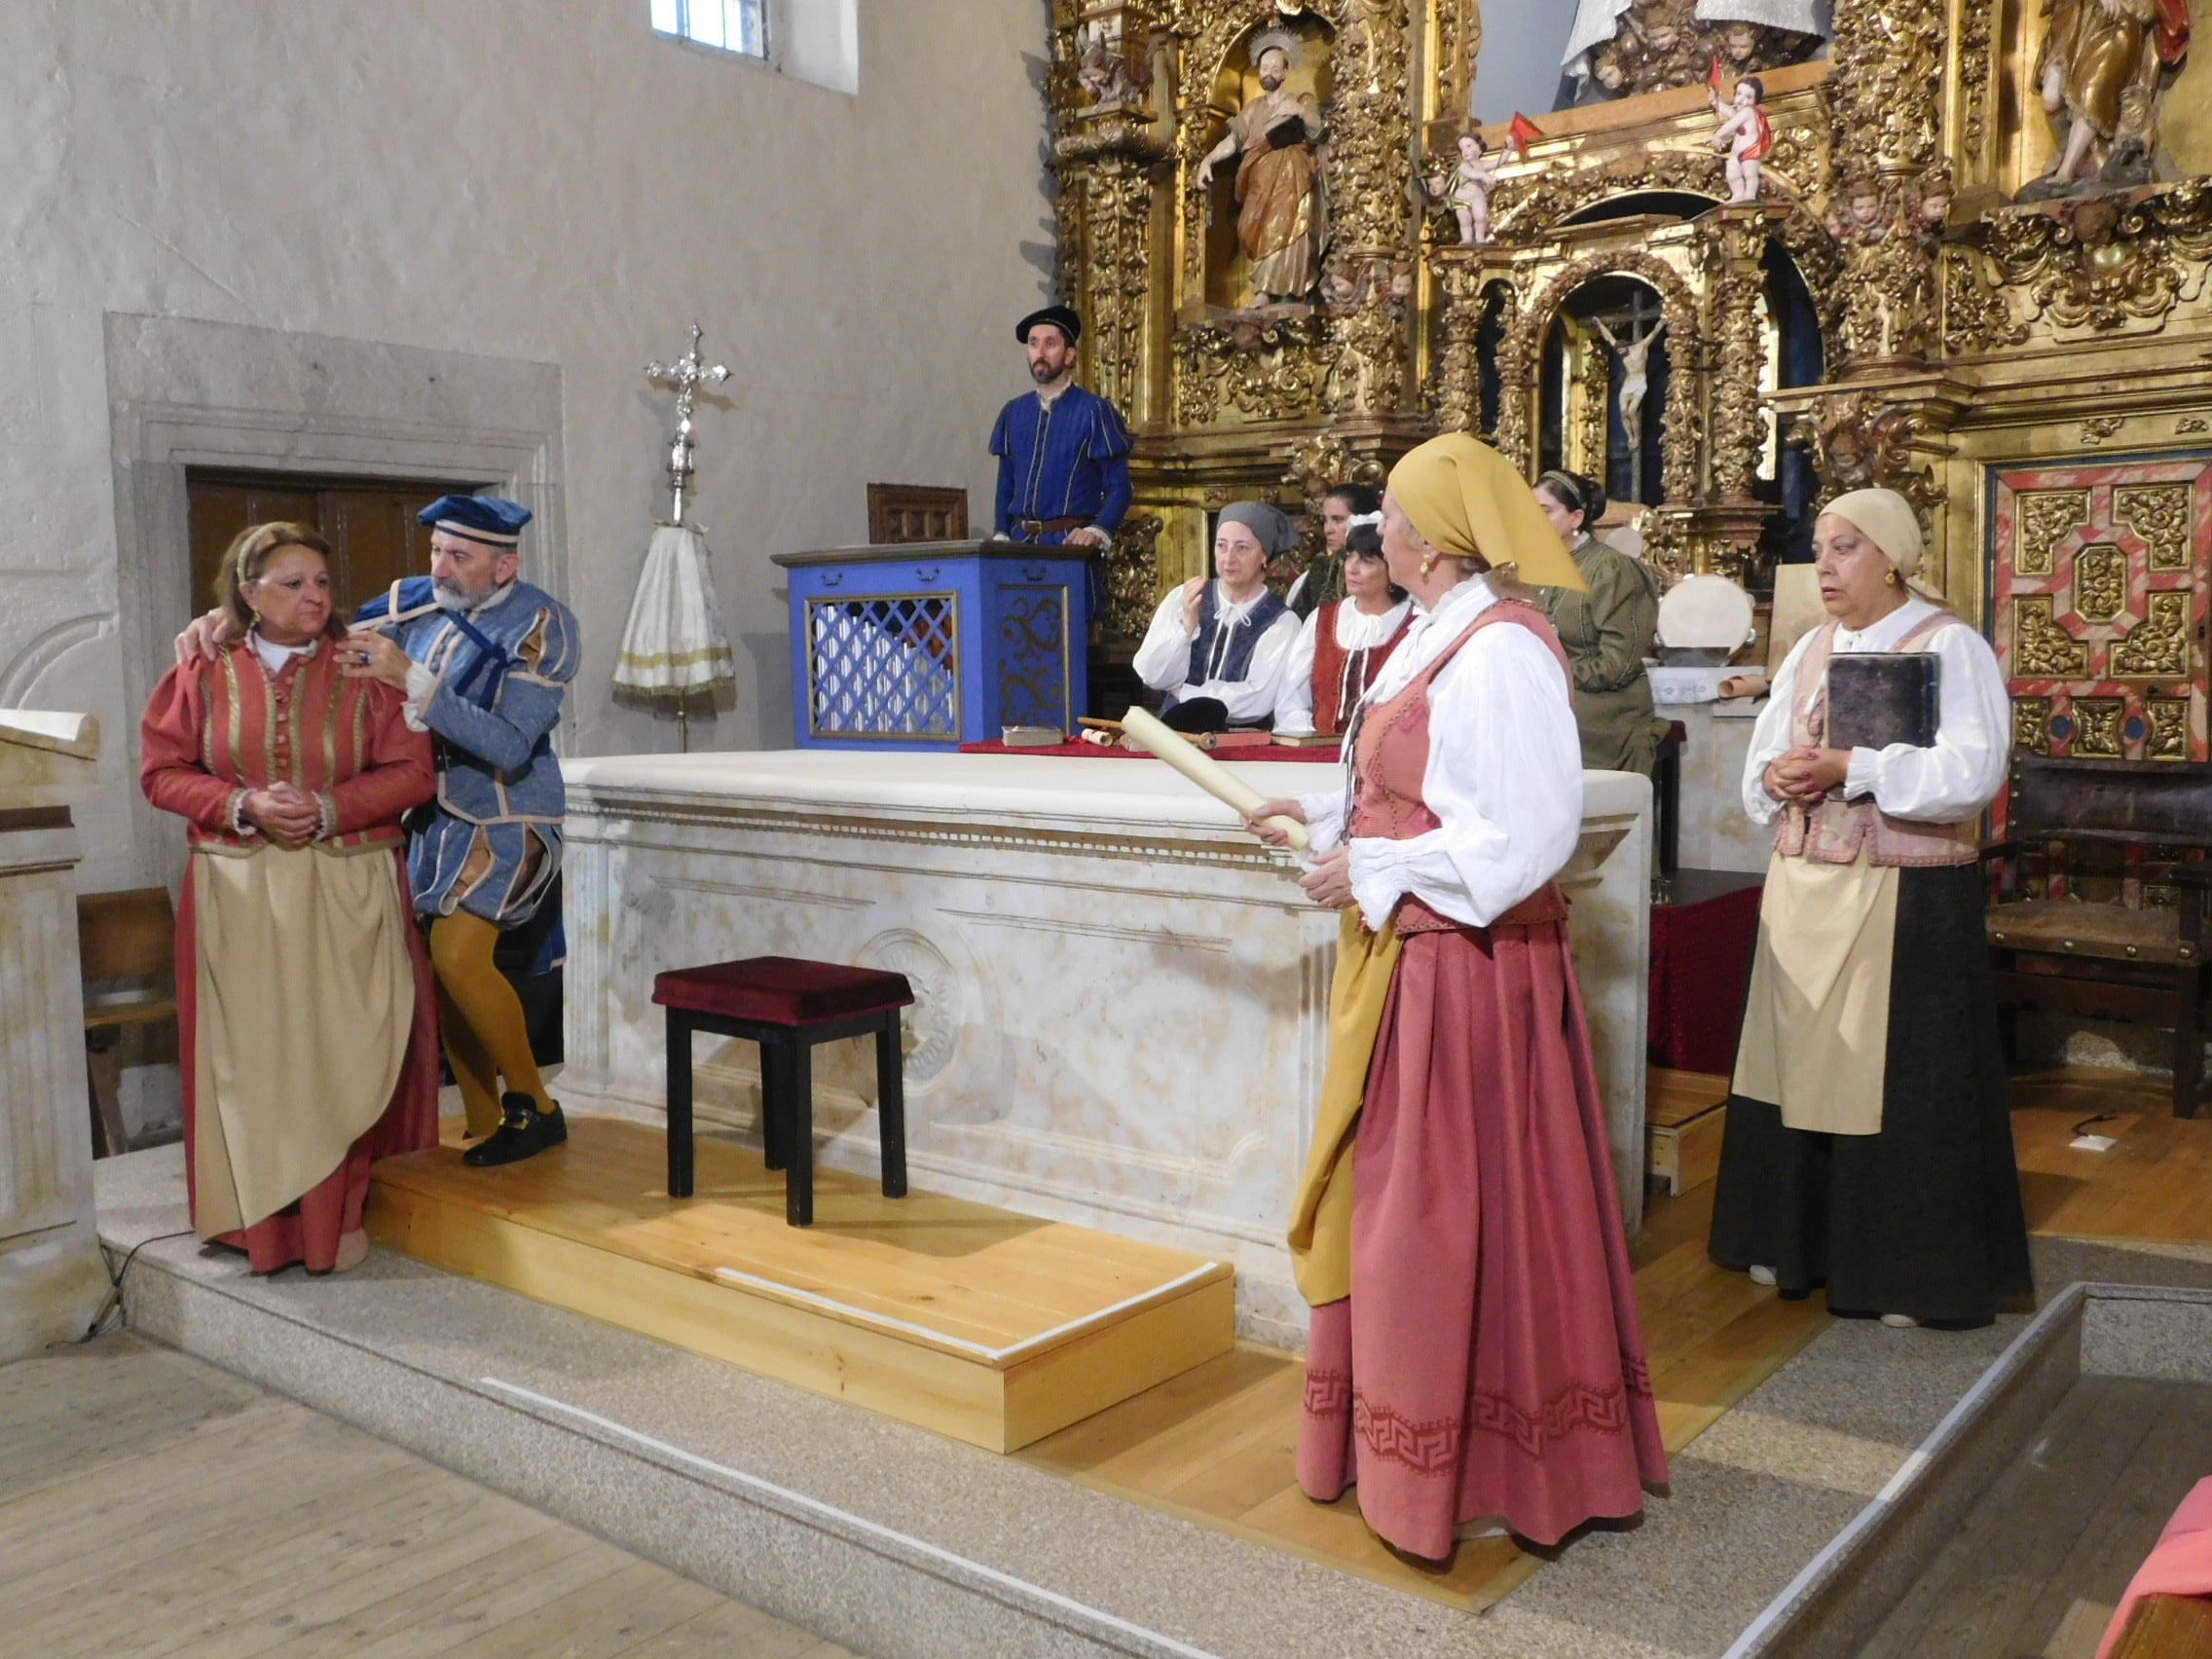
52	1278
1122	999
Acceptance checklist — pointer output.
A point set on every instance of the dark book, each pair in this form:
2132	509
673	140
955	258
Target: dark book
1286	133
1884	697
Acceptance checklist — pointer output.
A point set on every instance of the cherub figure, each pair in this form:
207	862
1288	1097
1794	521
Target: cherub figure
1467	188
1745	134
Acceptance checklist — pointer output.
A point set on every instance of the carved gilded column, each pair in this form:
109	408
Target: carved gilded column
1737	261
1886	111
1369	273
1458	388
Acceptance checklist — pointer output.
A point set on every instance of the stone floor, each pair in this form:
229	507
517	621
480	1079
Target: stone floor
920	1544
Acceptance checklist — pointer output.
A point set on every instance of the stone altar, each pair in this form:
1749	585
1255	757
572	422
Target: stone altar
1121	998
52	1278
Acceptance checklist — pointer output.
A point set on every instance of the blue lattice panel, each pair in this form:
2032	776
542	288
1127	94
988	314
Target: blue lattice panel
929	645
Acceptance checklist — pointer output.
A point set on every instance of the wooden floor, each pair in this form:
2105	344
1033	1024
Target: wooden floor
2155	1186
152	1505
1216	1446
2042	1561
977	1322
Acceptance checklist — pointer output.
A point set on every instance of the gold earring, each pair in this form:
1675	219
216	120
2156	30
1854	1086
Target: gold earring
1894	579
1428	563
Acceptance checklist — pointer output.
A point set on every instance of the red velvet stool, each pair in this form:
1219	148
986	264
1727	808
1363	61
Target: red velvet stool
787	1006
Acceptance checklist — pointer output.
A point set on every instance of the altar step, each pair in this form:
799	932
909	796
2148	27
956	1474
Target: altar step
1684	1114
994	1328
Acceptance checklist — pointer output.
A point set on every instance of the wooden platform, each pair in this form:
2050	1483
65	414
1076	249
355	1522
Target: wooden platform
995	1328
1684	1114
1217	1446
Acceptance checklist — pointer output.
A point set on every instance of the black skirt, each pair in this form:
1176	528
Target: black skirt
1924	1217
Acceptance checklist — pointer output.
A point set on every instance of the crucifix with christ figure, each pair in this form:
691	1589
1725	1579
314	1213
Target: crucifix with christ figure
686	374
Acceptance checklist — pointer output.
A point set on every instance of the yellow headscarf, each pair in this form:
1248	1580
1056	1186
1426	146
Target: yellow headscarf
1466	499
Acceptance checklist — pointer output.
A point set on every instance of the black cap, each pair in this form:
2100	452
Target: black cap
1061	317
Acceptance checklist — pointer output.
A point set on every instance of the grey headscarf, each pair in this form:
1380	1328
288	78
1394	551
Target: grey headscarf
1263	521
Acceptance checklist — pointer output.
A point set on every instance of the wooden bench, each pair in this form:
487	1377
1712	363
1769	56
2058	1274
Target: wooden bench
2106	961
787	1005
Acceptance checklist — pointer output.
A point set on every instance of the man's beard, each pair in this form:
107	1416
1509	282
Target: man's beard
1043	374
450	598
1273	85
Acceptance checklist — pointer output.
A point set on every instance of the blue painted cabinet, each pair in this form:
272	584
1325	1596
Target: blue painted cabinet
927	646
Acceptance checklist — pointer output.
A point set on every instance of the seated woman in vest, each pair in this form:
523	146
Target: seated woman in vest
1216	651
1343	645
1607	631
1868	1145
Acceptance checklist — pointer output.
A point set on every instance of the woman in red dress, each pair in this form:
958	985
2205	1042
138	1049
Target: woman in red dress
309	1031
1475	1363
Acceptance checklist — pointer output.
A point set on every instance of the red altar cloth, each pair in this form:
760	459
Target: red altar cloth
1701	964
1332	754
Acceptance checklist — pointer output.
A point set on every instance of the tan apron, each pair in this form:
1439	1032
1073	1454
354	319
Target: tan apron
1816	1017
305	1001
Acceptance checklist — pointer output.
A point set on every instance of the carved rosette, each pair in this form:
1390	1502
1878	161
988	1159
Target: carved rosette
1270	371
2091	266
1868	440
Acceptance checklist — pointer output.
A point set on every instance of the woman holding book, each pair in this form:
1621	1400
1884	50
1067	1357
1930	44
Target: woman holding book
1868	1144
1476	1364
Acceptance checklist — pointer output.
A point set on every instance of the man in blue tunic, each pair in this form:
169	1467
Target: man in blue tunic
484	659
1063	451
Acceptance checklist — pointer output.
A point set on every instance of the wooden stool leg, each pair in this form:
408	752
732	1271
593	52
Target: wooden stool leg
799	1136
891	1105
775	1102
679	1105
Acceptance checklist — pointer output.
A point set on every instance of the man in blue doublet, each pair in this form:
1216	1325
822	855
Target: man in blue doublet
1063	451
484	660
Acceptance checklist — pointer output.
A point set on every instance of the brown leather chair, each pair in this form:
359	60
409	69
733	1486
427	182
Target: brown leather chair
127	948
2107	961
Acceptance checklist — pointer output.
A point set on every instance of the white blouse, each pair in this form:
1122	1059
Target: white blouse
1164	661
1947	783
1356	631
1504	773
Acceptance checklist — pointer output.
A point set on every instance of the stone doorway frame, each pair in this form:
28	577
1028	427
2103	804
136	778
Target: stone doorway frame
186	393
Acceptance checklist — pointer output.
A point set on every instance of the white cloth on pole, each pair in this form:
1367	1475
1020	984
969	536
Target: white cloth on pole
673	644
1806	16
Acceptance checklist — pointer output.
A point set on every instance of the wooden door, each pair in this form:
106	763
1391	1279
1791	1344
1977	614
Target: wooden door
369	523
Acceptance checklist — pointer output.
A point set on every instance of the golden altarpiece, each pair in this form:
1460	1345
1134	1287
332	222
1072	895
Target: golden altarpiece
1911	302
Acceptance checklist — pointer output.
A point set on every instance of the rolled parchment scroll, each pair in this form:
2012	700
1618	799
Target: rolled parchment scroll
1203	770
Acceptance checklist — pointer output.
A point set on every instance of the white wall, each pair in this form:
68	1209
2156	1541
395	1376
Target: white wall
1518	67
526	181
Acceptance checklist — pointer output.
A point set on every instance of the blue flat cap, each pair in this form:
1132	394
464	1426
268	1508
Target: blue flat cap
490	519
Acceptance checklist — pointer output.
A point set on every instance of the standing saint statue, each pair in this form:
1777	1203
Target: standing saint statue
1278	220
2101	74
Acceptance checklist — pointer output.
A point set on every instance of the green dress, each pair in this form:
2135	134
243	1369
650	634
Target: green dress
1606	631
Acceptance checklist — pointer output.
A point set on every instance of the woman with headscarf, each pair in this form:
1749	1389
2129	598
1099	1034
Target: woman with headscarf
1868	1143
1343	645
1216	651
1606	626
1476	1363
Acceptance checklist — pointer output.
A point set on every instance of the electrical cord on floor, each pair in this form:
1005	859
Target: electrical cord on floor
2091	1122
113	1305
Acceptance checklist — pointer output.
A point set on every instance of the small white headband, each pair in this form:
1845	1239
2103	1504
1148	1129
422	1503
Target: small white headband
1358	519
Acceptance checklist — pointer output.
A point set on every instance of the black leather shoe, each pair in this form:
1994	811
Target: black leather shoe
523	1132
